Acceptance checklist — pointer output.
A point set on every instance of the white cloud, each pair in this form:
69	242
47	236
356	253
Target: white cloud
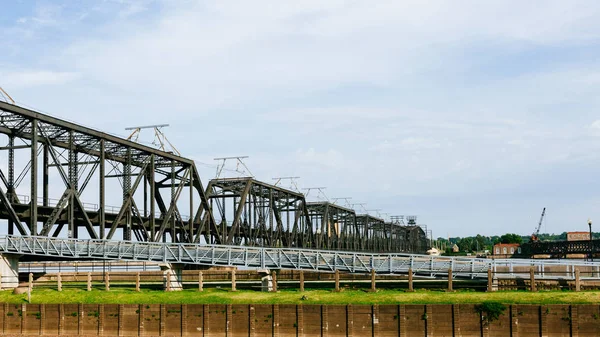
320	159
248	49
595	125
34	78
422	98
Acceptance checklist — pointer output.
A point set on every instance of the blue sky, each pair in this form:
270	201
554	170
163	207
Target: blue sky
472	115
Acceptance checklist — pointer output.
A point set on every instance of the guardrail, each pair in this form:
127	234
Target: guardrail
283	258
292	279
87	266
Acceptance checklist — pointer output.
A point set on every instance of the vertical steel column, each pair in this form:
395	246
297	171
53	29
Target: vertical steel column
102	211
126	194
145	198
326	229
288	216
150	177
271	210
251	228
45	176
11	178
73	185
191	219
34	170
173	230
223	224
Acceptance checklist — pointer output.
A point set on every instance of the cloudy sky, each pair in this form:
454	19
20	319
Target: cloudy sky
472	115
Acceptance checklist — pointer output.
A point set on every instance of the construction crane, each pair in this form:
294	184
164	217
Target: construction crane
534	236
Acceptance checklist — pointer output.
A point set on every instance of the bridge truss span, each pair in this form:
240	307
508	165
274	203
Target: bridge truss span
76	160
59	178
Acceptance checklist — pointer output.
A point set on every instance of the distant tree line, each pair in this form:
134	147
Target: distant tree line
479	243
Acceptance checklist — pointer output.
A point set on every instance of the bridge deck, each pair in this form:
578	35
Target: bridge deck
280	258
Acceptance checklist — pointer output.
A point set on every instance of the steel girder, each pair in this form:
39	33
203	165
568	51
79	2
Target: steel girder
79	155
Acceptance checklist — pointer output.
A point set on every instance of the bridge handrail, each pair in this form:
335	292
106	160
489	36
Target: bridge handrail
271	258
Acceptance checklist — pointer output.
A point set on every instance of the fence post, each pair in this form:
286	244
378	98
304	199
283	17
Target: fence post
532	278
200	282
410	280
107	283
490	280
274	276
59	282
168	280
577	280
337	280
450	279
302	280
233	286
30	288
137	281
373	280
89	281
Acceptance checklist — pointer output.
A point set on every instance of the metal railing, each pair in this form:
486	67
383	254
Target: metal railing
87	266
285	258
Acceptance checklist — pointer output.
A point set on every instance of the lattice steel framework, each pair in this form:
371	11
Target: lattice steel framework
335	226
151	182
154	190
254	213
560	249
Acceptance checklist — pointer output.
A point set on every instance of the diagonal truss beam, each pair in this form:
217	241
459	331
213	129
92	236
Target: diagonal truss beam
11	212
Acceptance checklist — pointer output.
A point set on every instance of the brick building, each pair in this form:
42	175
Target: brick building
505	250
578	236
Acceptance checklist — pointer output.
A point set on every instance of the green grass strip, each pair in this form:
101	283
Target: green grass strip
222	296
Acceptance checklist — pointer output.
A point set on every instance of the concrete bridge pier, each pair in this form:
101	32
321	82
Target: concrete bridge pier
9	271
173	276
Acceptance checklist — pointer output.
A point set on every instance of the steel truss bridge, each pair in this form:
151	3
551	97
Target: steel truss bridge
261	214
561	249
283	258
83	157
156	189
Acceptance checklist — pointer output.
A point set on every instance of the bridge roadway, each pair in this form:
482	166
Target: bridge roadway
282	258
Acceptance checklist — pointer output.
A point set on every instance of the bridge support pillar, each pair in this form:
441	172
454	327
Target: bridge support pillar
266	280
9	271
173	275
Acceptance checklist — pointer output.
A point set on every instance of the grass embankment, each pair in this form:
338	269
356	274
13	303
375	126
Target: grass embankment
221	296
